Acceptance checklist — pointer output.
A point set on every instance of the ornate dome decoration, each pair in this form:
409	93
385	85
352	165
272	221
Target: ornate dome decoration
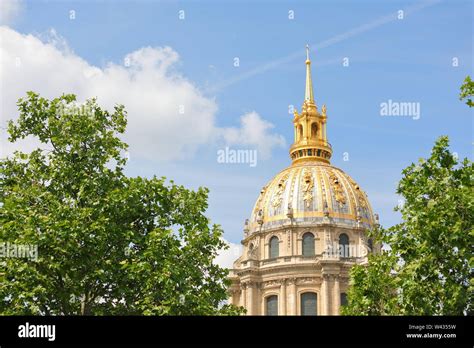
312	191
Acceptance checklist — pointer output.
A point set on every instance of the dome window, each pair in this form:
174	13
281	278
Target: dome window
309	303
308	244
343	299
344	245
274	247
272	305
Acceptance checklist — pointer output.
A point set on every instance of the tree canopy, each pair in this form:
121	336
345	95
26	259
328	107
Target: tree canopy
106	243
427	269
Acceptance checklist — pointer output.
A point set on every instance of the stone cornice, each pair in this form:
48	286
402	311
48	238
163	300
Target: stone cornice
296	226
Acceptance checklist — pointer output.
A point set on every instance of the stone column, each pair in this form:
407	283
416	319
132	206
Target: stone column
243	295
292	283
282	309
250	294
231	297
337	296
325	299
321	296
293	243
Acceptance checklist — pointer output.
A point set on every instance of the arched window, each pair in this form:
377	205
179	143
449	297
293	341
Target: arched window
309	303
343	299
274	246
300	132
344	245
272	305
308	244
314	131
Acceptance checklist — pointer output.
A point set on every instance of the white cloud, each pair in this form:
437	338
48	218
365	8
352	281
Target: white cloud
227	257
168	116
254	131
9	9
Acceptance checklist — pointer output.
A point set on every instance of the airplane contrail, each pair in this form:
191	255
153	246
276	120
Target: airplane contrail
326	43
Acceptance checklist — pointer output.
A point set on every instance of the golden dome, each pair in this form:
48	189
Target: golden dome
311	190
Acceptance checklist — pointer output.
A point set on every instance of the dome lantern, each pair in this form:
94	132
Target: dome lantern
310	142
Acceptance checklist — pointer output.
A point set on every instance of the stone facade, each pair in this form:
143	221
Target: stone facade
256	276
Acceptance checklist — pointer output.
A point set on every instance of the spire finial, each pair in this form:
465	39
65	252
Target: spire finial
310	127
309	84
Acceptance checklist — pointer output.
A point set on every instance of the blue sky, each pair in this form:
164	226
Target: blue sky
407	60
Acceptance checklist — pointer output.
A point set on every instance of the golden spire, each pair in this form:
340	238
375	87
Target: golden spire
309	84
310	127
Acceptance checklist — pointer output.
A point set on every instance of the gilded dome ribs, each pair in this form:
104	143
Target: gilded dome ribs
361	196
308	185
278	195
337	188
310	190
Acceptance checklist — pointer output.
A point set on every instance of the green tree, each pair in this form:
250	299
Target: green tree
467	91
428	267
107	243
372	286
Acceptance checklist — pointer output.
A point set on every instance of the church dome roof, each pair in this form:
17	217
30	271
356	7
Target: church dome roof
309	192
